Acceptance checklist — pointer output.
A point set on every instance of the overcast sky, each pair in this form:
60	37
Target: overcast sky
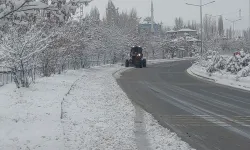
167	10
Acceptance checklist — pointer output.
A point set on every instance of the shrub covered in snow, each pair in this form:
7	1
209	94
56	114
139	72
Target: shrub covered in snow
244	72
238	64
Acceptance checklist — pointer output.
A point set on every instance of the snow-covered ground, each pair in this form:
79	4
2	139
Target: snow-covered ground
83	109
30	118
224	78
97	114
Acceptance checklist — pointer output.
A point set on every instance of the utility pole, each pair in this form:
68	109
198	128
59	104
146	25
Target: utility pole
152	17
201	21
201	26
152	28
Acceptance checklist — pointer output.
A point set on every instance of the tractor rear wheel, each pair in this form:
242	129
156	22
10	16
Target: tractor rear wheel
127	63
144	62
141	64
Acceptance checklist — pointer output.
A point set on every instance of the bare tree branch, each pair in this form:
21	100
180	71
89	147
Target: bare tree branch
11	12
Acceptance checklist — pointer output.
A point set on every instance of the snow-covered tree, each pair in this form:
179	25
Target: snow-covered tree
210	27
112	14
95	14
21	50
61	10
179	23
221	26
20	11
54	41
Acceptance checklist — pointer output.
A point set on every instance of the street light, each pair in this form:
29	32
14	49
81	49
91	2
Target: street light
225	14
201	5
233	21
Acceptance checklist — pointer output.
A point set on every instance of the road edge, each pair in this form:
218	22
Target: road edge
143	116
192	73
210	79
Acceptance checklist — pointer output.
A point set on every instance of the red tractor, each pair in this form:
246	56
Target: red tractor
136	58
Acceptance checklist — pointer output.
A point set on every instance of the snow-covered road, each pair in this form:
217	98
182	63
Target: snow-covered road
95	114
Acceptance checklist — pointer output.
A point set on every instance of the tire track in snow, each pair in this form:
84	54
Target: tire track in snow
196	110
142	141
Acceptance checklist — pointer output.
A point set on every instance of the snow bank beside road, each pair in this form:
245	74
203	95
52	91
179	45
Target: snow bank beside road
227	70
224	78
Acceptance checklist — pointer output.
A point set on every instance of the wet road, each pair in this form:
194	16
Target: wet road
206	115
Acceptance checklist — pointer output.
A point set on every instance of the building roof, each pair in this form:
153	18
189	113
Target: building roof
181	49
171	31
84	1
148	24
186	30
157	27
177	39
191	39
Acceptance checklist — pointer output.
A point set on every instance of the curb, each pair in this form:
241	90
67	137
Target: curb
117	73
237	87
189	71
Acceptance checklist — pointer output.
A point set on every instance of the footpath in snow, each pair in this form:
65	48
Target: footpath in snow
77	110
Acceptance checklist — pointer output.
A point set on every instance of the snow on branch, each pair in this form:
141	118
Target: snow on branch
18	6
21	50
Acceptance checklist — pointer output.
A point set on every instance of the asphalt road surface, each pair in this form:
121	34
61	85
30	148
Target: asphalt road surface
206	115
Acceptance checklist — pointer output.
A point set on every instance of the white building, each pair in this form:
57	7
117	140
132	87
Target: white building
182	33
185	32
